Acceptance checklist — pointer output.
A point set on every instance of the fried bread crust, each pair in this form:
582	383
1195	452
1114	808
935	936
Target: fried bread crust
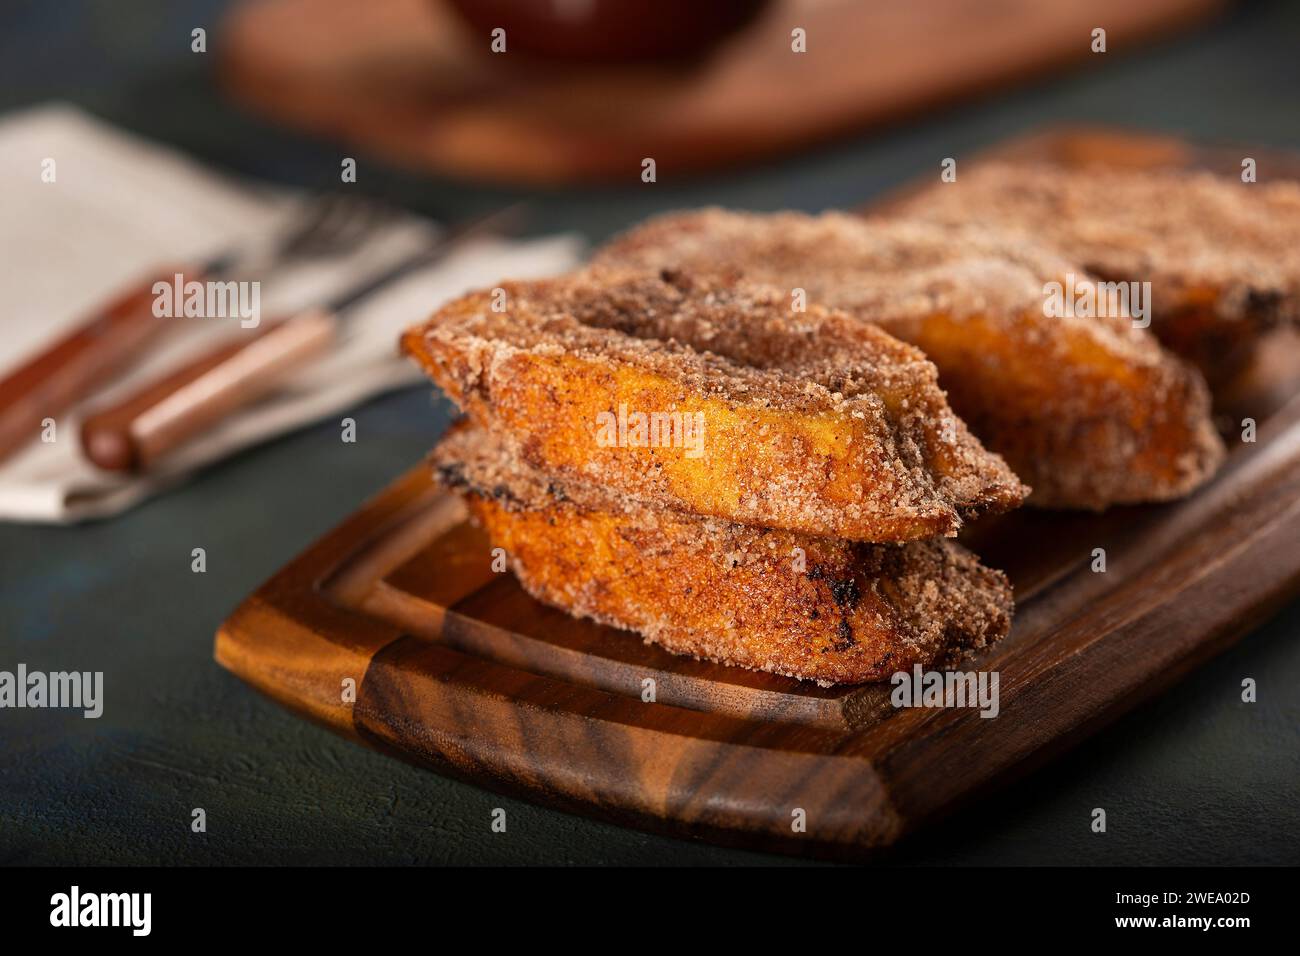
820	609
812	422
1090	412
1222	257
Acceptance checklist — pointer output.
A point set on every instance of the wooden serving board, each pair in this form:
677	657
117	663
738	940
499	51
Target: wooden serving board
456	668
407	81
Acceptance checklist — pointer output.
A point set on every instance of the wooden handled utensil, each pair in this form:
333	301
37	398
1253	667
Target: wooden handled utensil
133	434
74	366
97	350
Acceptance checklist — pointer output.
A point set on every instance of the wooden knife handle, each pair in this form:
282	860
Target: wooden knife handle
76	365
137	431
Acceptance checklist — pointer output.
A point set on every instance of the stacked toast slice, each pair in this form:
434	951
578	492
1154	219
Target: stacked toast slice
732	432
689	459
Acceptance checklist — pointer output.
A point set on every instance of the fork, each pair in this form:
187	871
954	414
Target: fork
96	350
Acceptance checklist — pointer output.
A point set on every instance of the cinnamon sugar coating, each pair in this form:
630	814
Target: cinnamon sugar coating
809	422
846	613
1222	256
1089	411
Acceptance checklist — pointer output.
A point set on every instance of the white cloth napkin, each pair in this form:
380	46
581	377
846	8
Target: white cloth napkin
120	207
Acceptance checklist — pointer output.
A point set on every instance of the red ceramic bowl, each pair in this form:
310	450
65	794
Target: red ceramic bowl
609	30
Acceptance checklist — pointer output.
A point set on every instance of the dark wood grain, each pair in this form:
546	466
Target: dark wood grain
406	80
459	670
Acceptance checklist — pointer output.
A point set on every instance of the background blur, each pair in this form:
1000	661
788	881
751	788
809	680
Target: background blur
1191	778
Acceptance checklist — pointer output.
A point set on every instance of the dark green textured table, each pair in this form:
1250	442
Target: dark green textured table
1196	777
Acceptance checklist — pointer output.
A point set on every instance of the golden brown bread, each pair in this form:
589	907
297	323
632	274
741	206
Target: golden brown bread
816	608
809	422
1090	412
1222	256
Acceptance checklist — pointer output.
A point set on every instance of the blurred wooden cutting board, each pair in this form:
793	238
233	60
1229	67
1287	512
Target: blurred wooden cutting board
407	81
